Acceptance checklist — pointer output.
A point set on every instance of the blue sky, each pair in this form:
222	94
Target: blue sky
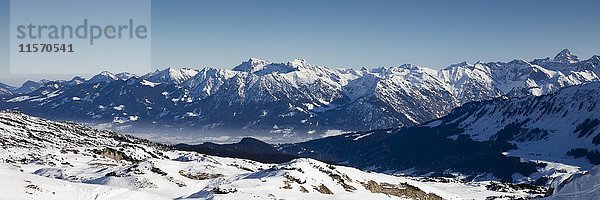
357	33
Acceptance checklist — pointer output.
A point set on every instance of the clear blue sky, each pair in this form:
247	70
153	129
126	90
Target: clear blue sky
368	33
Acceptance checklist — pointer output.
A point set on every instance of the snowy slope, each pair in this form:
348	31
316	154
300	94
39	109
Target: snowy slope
583	186
544	127
41	159
6	90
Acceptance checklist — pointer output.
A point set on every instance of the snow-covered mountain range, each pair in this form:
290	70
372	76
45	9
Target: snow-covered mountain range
42	159
535	128
295	96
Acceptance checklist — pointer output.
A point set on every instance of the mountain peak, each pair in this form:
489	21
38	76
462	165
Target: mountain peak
125	75
257	60
298	62
29	82
171	75
29	86
106	73
409	67
519	62
252	65
74	81
457	65
263	67
566	56
104	76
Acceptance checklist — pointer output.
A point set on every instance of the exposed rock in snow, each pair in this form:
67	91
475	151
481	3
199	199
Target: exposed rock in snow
565	56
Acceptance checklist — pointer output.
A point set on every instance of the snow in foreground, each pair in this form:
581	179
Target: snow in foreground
183	175
41	159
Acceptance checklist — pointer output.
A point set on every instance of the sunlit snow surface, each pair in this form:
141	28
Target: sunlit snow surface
584	186
41	159
86	179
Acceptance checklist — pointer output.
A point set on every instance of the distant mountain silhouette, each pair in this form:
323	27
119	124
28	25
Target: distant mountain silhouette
247	148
